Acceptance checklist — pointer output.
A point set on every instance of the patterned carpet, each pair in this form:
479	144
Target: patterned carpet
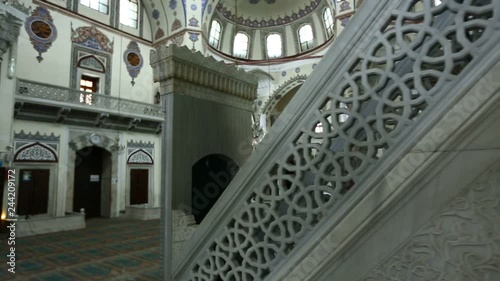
107	249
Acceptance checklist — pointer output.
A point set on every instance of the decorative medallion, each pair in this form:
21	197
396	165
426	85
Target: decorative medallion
90	37
297	70
159	33
194	7
176	25
193	22
283	73
345	6
344	20
193	36
172	4
41	30
156	14
133	60
209	9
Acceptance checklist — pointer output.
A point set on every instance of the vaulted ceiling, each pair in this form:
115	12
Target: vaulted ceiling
265	13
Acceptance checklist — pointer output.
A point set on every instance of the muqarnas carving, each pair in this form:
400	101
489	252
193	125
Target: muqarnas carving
41	30
133	60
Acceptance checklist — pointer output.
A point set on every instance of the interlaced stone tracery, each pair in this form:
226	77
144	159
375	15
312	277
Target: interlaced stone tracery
423	48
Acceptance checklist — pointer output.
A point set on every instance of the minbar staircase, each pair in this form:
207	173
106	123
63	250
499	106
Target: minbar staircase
402	181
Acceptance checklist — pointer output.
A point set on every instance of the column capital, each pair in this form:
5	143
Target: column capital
11	19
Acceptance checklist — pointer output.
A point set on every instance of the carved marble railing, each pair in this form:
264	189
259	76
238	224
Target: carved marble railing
91	100
397	67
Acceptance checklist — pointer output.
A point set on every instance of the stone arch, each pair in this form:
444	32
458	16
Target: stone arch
80	140
36	152
91	62
279	94
140	156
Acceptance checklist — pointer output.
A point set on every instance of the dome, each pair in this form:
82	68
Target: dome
266	13
269	29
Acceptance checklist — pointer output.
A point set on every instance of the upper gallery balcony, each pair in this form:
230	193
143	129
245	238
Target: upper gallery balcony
48	103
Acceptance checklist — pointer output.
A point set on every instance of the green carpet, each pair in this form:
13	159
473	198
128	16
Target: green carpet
107	249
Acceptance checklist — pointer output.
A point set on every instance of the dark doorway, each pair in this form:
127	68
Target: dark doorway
89	180
33	196
139	186
210	176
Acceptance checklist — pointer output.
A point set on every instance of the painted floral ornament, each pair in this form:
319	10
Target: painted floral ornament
41	30
133	60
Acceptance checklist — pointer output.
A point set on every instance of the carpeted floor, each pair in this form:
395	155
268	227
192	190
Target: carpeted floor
107	249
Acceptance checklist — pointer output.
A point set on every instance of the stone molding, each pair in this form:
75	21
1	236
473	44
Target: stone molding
173	64
36	137
10	24
140	144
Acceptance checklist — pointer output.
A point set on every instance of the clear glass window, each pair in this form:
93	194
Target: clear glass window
306	37
328	19
274	46
240	46
99	5
88	84
129	12
215	32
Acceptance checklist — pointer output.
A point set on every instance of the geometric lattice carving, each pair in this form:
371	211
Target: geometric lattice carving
35	152
92	63
461	243
140	157
419	52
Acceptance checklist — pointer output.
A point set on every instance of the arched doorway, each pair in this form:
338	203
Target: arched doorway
210	176
92	182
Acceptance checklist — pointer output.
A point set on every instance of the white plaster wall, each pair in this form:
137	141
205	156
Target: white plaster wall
62	165
66	166
55	67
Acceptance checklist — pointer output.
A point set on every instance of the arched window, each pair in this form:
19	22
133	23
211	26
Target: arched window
215	32
99	5
129	12
274	46
240	46
306	37
328	19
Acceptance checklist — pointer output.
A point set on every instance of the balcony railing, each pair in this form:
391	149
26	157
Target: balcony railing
90	100
396	68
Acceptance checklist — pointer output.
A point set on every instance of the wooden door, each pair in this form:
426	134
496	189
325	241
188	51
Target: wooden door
33	195
87	184
139	186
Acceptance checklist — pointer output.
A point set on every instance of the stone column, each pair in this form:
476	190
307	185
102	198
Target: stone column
208	107
11	19
10	22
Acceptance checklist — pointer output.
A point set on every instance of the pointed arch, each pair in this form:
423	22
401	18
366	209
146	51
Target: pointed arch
36	152
140	156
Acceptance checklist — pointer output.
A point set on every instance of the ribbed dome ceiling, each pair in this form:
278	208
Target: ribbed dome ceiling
266	13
